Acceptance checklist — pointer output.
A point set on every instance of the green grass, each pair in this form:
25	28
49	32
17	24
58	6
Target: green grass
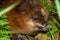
58	7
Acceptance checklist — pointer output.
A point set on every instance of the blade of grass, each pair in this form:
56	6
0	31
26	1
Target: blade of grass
53	30
9	8
58	7
53	38
28	37
55	21
6	32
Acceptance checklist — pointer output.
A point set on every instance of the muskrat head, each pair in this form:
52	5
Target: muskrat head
35	12
28	17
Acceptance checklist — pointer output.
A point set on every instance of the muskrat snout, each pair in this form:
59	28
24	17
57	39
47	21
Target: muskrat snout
43	27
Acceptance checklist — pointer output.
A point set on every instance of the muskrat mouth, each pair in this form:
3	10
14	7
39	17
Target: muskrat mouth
44	27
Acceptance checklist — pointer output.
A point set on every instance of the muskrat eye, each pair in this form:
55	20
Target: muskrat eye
35	18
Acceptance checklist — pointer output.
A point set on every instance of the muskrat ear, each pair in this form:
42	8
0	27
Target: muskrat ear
44	12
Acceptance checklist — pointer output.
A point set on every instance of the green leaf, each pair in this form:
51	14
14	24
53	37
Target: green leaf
4	38
3	22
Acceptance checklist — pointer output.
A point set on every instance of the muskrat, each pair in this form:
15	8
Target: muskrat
29	17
